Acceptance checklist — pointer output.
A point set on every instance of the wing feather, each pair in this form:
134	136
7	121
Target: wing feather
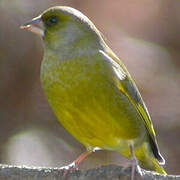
128	87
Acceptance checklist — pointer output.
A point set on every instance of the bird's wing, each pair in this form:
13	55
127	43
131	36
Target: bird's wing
129	89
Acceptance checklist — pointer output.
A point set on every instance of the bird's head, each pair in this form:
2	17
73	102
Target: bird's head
63	25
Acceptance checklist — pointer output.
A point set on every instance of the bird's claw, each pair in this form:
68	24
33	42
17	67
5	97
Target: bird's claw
69	168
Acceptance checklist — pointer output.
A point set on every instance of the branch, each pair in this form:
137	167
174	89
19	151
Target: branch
110	172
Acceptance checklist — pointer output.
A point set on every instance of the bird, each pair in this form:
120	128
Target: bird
91	91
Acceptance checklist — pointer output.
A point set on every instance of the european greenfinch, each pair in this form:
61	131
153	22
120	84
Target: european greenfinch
90	90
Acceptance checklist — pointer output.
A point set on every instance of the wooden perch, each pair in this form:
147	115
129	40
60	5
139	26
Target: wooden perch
110	172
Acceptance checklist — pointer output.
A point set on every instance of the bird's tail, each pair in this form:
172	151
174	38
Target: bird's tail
148	161
152	165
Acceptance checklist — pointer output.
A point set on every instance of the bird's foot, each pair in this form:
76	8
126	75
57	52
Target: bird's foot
74	165
69	168
135	168
134	164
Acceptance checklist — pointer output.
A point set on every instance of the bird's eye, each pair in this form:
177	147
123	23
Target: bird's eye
52	20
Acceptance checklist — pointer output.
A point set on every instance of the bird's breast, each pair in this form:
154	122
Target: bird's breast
83	95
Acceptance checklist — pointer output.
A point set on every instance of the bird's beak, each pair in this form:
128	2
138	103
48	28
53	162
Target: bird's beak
35	26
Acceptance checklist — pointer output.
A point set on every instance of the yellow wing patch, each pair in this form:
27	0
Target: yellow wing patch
126	85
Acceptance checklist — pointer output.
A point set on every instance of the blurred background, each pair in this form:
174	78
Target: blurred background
144	34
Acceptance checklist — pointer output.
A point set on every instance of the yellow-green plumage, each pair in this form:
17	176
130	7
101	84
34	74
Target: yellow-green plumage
91	92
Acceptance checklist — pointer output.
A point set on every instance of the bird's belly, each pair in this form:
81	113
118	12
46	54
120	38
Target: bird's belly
97	118
89	105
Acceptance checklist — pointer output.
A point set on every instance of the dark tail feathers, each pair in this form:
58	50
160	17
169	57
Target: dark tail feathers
156	152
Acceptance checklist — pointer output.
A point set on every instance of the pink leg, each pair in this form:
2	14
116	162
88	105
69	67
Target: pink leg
134	162
81	157
74	164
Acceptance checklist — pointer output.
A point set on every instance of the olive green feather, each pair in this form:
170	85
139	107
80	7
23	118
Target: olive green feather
91	92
